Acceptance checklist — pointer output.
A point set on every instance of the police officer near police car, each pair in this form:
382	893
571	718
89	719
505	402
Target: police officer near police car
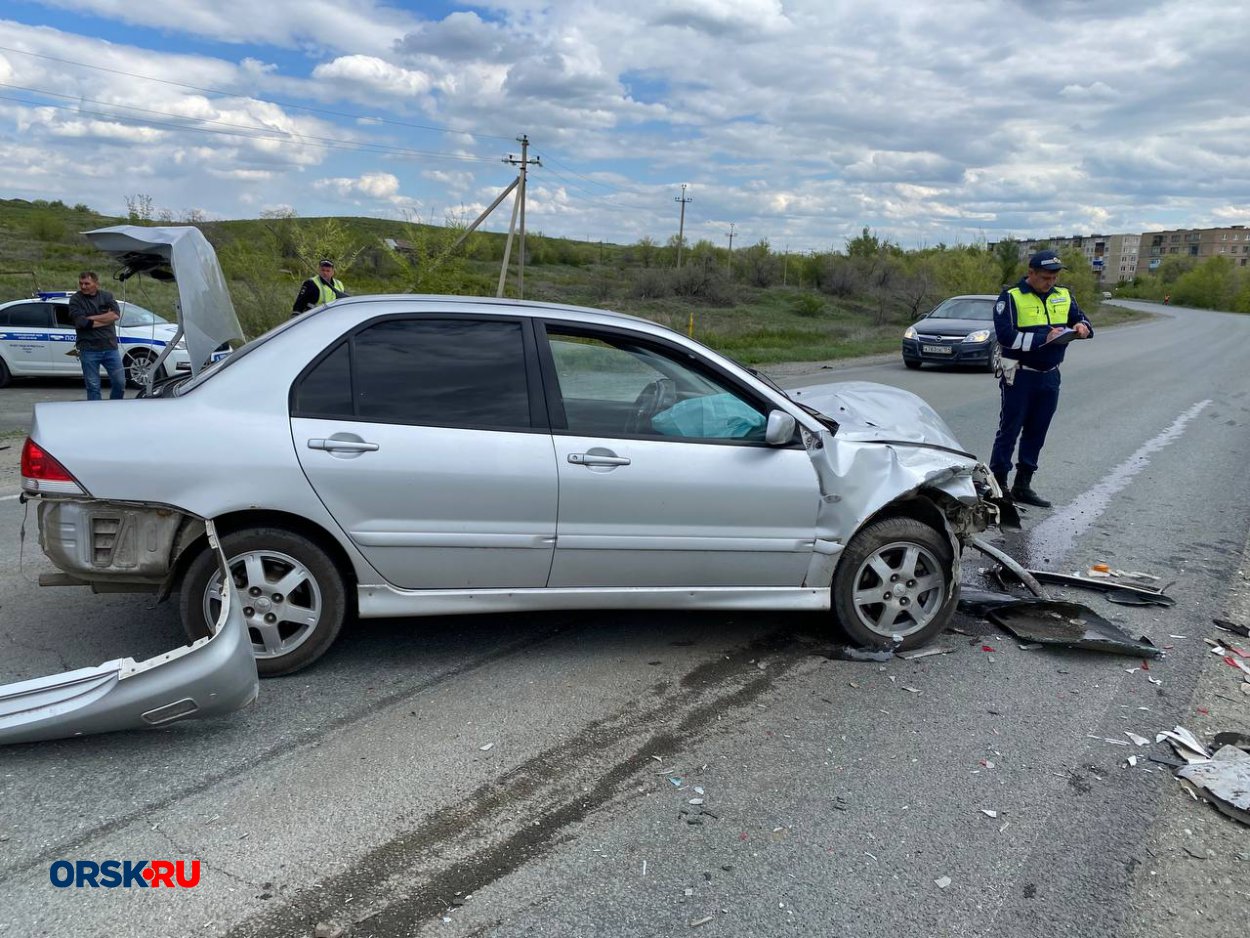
1034	321
319	290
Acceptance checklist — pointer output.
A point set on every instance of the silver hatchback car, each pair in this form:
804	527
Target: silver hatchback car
430	455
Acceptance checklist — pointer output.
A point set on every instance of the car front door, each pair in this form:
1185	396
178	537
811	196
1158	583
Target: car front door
426	439
665	479
62	350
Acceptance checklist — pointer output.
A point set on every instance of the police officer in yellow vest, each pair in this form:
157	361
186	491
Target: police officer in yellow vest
1034	321
318	290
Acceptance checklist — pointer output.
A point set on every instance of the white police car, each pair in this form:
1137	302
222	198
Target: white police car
37	340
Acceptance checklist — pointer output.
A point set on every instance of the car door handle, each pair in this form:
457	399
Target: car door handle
351	446
594	459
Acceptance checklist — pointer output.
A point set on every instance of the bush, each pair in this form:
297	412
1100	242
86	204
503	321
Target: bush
808	305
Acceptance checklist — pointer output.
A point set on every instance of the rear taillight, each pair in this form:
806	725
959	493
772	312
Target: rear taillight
41	472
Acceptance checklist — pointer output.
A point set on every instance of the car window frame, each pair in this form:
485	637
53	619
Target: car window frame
657	344
49	314
534	390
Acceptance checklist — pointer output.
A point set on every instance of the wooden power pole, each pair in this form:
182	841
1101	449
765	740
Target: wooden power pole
681	225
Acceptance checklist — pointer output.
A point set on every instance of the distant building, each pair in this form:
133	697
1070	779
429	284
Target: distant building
1113	258
1232	242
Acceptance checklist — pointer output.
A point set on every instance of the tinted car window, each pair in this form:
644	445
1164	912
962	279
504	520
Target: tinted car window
438	372
30	315
326	391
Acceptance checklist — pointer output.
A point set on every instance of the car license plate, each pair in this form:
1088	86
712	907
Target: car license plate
936	349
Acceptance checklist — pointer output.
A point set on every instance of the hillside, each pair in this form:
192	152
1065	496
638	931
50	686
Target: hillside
756	305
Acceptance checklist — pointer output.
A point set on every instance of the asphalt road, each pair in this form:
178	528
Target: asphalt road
538	775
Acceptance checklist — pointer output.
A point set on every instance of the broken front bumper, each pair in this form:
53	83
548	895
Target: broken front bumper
213	676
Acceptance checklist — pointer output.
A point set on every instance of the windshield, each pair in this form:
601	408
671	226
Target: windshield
133	315
965	307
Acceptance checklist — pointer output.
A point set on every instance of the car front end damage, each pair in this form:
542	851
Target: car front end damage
888	450
213	676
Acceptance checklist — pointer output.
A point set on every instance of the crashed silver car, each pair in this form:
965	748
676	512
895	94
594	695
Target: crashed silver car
432	455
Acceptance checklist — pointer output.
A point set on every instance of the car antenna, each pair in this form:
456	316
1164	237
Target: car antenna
33	276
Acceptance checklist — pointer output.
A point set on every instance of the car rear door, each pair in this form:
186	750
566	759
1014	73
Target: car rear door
26	329
664	476
425	437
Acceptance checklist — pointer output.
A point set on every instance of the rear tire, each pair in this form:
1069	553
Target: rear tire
895	581
294	597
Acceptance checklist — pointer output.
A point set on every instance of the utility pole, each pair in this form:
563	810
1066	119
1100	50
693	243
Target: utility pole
785	269
681	225
729	262
523	164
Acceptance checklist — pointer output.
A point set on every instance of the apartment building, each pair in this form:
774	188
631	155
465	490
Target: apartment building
1232	242
1113	258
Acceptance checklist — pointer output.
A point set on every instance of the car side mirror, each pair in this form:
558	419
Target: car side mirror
780	430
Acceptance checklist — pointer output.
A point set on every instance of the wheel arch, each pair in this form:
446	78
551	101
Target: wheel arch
254	518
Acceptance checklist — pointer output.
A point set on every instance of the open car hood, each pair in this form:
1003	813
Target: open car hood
210	677
205	312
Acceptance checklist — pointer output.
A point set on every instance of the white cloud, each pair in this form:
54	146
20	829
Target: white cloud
381	186
373	75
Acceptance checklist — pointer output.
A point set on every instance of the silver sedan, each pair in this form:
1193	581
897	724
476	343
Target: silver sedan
417	455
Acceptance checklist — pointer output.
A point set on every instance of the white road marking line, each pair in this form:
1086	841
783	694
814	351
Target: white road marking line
1057	535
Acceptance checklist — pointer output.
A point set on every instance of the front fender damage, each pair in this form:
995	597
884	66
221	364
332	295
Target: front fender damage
859	478
212	676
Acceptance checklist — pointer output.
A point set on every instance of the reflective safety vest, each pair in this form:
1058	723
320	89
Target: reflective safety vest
326	293
1032	310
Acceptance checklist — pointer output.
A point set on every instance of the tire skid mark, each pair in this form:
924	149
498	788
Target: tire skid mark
460	849
310	737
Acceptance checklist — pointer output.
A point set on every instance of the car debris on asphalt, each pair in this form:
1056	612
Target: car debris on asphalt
1069	625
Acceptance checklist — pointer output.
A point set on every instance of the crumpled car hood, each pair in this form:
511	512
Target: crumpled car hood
205	312
868	411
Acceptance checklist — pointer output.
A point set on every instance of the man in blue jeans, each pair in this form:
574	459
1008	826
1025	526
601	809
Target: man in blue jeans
94	312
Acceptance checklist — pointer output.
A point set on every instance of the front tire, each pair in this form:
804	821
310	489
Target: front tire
996	358
912	363
894	585
6	376
294	597
138	366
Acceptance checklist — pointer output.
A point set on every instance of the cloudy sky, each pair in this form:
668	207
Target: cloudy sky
798	121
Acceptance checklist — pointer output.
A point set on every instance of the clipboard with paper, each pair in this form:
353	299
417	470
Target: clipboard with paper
1063	337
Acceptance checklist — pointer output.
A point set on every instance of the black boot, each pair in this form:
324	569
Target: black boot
1022	491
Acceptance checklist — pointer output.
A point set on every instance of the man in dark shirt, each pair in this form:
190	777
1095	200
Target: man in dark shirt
95	312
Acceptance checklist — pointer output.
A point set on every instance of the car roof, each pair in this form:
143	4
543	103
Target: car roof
505	305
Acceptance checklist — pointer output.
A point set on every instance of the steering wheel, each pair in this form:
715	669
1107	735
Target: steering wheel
659	395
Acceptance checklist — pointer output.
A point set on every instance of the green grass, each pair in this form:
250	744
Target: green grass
41	247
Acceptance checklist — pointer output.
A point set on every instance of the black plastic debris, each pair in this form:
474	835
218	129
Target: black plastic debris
1117	592
1068	625
978	602
1235	627
1239	740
